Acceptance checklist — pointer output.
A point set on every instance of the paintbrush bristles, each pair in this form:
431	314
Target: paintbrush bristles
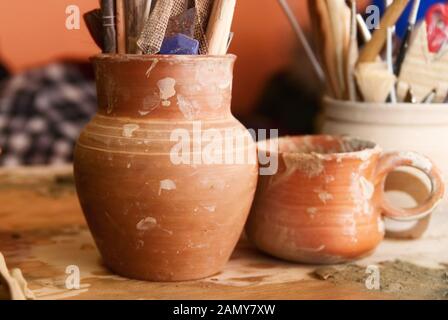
93	20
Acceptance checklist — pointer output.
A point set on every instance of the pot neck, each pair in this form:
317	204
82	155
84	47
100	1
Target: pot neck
164	88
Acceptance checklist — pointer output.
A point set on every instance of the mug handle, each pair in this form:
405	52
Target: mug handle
390	162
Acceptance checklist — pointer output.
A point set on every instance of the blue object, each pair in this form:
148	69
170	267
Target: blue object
402	22
180	44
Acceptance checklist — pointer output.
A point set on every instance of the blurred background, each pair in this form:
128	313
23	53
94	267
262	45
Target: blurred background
47	87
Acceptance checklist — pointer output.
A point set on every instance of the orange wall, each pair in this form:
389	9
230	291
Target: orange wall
33	32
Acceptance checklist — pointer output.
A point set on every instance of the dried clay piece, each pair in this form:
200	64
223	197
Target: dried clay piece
12	285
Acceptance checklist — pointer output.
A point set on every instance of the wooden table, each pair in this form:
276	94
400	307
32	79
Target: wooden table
43	231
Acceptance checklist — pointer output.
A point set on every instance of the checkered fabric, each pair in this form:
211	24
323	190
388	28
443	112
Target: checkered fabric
42	113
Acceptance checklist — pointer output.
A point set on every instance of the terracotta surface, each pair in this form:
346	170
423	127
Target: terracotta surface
153	219
325	203
47	233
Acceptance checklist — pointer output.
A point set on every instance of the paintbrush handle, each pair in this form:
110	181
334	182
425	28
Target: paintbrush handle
407	37
403	50
108	16
121	27
220	23
374	46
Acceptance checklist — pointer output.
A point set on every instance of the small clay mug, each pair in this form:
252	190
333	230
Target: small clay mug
326	201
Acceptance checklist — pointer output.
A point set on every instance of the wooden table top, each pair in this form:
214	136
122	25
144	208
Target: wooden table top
43	232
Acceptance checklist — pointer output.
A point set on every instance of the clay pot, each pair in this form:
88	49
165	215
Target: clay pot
159	210
325	203
402	126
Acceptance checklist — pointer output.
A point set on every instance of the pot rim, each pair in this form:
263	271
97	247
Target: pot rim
159	57
399	114
369	148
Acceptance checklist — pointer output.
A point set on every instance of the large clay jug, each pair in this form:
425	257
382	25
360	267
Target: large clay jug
162	200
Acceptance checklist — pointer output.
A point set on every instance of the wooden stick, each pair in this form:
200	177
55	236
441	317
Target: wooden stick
121	27
374	46
352	54
338	18
319	13
219	26
389	55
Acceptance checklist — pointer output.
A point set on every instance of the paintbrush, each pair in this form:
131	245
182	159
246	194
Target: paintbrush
389	55
352	54
325	43
407	36
364	30
299	33
374	81
430	97
109	34
340	27
409	98
372	49
94	24
121	27
219	26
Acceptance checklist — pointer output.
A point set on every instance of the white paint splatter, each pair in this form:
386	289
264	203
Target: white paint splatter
147	224
311	211
210	208
417	160
153	65
329	179
144	112
167	185
324	196
322	247
381	226
166	87
129	129
188	108
367	188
